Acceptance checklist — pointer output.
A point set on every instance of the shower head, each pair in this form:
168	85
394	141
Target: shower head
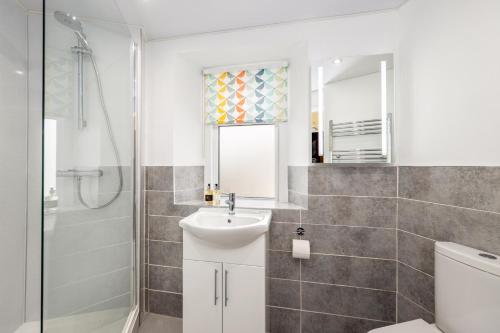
74	24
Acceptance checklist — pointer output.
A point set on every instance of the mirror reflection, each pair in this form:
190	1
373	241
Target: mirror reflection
351	109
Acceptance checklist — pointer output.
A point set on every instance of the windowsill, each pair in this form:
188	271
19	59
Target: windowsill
247	203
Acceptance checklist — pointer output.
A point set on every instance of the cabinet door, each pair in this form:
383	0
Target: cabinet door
244	299
202	297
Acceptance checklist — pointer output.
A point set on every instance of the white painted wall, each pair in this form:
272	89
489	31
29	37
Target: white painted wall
13	162
298	43
449	79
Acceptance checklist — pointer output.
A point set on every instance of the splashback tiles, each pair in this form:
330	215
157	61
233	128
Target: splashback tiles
284	320
408	310
165	278
159	178
321	322
188	183
416	286
165	228
165	253
352	241
477	229
453	204
354	211
470	187
349	301
416	251
351	271
370	246
347	234
188	177
353	181
283	266
168	304
284	293
298	179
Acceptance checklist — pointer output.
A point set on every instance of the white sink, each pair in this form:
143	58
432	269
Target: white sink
216	226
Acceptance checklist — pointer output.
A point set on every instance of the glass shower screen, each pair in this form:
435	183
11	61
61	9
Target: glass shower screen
88	168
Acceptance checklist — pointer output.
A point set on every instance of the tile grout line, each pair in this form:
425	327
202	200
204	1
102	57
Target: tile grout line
416	304
416	235
415	269
329	314
331	284
337	255
451	206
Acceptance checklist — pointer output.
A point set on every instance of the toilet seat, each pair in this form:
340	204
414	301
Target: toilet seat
415	326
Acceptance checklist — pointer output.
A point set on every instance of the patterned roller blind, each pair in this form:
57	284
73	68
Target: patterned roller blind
246	96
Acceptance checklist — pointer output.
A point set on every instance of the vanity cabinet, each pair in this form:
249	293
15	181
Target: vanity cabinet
222	297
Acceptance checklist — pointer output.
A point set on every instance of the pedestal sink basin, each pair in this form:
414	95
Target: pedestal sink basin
216	226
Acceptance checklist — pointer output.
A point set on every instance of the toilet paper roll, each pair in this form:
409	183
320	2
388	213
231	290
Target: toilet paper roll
301	249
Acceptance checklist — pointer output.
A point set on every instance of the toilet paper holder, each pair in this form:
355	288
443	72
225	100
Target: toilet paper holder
300	231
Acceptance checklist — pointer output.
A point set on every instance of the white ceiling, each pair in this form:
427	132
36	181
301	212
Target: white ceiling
169	18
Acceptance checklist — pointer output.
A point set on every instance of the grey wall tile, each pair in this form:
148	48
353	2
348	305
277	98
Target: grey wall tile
352	241
165	253
351	271
284	293
416	251
188	195
416	286
354	181
472	187
286	215
298	199
188	177
283	266
323	323
160	203
408	310
165	278
159	178
373	212
284	321
164	303
298	179
468	227
281	235
349	301
165	228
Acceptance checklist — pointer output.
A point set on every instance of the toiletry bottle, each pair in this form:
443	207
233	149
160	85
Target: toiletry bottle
216	195
209	196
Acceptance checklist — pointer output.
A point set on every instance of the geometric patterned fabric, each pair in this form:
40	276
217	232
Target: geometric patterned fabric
247	96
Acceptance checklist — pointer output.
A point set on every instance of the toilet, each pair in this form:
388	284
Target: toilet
467	293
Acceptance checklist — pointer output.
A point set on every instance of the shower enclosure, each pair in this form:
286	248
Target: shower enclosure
89	169
69	87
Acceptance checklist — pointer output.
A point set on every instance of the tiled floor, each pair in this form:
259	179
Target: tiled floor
155	323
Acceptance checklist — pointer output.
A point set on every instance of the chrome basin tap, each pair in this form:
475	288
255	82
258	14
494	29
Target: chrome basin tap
231	201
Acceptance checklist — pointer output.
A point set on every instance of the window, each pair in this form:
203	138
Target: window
247	160
243	109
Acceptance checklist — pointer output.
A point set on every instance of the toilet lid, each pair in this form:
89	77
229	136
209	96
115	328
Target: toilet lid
415	326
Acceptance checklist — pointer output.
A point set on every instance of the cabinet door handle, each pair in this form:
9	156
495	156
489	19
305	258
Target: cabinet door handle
215	286
226	298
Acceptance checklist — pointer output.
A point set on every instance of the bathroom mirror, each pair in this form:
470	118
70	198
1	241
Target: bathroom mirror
352	103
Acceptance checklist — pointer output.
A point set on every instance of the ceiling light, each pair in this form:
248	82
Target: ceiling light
337	61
